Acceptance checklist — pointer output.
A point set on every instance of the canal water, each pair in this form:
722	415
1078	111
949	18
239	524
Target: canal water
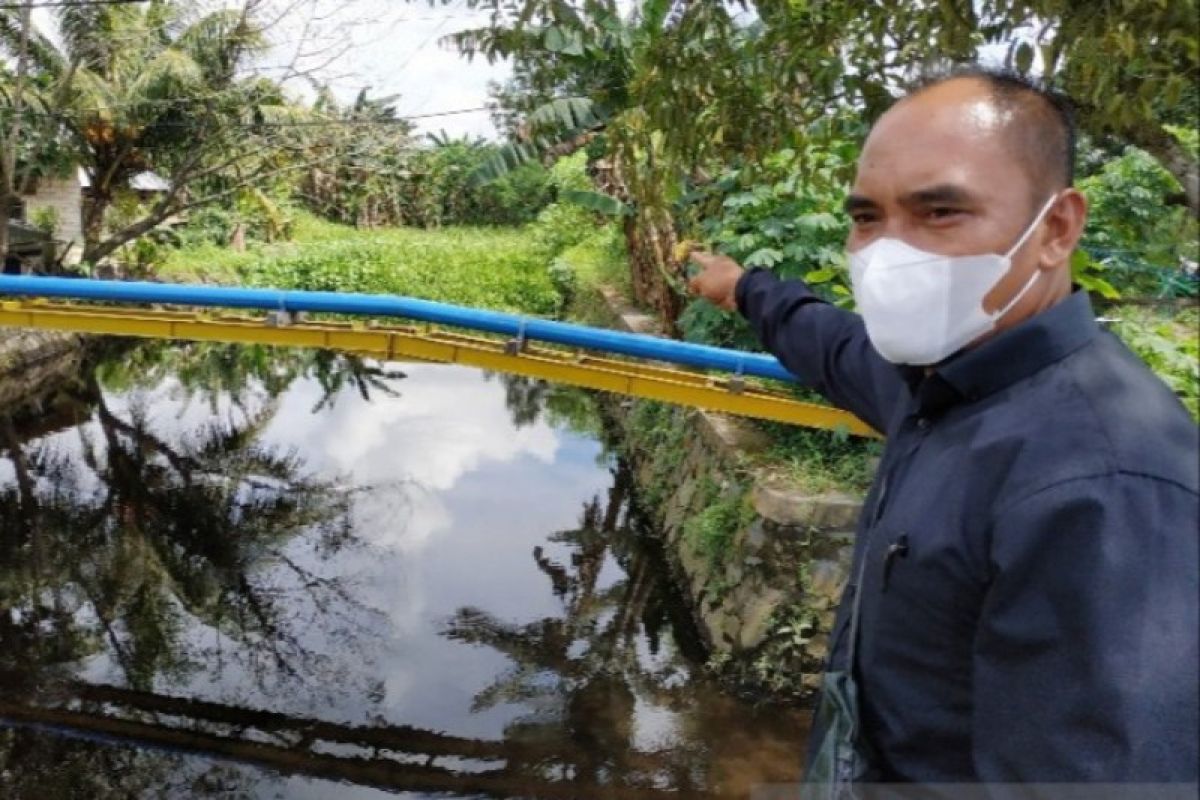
238	572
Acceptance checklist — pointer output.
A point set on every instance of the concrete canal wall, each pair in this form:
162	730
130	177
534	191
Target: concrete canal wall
761	561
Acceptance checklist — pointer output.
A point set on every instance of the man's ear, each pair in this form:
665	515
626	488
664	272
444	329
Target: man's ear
1063	225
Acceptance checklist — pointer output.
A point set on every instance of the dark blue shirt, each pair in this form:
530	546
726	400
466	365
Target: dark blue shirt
1029	602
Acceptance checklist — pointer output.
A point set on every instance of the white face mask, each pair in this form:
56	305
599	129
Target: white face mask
921	307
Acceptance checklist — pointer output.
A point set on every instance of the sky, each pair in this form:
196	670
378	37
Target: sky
391	47
394	48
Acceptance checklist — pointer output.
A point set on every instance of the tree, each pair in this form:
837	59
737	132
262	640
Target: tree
1130	65
15	99
357	161
30	144
150	86
678	88
581	76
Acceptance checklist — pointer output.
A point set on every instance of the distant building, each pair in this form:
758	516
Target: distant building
68	197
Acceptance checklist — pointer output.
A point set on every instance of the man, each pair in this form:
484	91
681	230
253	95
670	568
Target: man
1027	561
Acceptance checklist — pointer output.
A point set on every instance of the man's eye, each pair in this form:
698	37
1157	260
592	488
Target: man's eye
862	218
943	213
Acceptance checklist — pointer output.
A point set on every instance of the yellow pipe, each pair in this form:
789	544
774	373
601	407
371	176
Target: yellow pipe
561	366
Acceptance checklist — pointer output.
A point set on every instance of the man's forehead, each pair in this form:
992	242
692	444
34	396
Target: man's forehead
951	133
967	103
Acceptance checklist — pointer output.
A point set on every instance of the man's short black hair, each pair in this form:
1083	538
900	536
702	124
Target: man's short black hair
1043	129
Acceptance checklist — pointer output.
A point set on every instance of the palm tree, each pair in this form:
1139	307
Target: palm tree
150	86
31	146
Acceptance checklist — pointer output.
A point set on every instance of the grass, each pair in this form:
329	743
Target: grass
497	268
582	269
818	460
599	259
712	530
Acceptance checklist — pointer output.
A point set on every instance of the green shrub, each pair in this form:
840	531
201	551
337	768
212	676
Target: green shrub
785	216
207	225
45	219
439	186
561	224
1138	237
1169	345
712	531
822	460
482	268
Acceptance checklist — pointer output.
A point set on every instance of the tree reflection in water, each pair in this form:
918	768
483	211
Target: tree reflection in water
581	673
122	540
130	536
160	549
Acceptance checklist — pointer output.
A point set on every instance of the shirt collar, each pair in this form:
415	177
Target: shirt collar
1008	357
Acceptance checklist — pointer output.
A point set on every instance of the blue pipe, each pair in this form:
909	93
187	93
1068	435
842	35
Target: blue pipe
627	344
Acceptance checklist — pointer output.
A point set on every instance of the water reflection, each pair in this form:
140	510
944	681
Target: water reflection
116	537
258	558
579	672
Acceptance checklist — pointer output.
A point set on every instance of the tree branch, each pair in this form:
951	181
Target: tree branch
169	206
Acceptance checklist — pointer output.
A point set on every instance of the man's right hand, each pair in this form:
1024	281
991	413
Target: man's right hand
717	279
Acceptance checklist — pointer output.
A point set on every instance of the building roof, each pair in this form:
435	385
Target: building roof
142	182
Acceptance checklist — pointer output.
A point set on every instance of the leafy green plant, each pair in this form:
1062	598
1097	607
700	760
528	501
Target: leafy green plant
45	219
1169	346
564	224
478	268
821	460
784	215
786	656
1138	239
712	530
436	186
209	225
503	269
559	226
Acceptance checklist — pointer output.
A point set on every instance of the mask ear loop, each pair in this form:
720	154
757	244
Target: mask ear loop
1037	273
1033	225
1008	256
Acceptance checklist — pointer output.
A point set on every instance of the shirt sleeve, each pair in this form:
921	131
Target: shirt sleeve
825	347
1085	663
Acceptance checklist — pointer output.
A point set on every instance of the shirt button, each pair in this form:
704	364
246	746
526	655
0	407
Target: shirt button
923	423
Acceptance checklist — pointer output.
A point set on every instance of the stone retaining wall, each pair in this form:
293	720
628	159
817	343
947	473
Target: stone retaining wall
31	359
766	602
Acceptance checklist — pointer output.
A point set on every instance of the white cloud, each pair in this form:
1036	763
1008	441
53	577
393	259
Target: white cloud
404	506
392	48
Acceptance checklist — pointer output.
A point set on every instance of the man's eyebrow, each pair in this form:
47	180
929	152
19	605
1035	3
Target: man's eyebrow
856	202
941	193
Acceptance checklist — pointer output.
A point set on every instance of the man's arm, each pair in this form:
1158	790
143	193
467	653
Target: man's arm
825	347
1086	665
822	346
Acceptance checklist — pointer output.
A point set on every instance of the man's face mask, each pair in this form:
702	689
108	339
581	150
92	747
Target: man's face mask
921	307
